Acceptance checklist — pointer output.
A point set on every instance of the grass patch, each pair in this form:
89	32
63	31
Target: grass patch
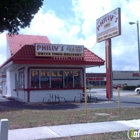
35	118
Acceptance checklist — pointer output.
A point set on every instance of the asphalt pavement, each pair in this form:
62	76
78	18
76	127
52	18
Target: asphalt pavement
127	99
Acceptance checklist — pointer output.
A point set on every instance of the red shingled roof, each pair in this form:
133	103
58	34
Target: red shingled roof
26	54
16	42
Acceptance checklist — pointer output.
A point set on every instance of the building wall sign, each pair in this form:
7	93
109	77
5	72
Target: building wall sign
135	74
61	50
54	78
95	78
121	75
54	73
109	25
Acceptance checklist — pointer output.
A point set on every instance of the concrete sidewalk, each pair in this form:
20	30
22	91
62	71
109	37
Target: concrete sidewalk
72	130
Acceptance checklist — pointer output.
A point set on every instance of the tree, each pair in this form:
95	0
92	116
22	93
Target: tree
16	14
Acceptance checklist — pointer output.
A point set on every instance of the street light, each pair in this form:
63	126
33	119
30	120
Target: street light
131	23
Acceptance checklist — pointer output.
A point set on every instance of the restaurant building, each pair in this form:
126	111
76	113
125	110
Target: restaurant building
37	70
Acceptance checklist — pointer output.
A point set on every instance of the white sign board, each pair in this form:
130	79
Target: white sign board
47	50
109	25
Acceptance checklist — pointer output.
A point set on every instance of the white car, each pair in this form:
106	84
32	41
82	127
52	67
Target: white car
137	90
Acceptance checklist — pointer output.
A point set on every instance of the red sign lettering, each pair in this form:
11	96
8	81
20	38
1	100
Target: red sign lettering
95	79
56	79
135	74
104	20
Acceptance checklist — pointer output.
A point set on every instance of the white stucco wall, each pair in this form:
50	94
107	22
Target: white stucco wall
37	96
22	95
4	88
12	77
8	83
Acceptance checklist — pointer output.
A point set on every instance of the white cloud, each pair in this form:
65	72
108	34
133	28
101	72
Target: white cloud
47	23
124	47
2	48
74	30
58	30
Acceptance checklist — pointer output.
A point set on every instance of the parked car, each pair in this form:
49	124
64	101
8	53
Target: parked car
137	90
89	86
138	86
116	86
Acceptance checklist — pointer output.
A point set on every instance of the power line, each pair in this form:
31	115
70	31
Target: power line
93	46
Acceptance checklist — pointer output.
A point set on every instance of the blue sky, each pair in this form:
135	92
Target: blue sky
74	22
61	7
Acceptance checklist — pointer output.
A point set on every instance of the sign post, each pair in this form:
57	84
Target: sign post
109	94
119	106
85	95
107	27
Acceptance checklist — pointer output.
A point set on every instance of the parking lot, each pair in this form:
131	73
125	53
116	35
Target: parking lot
127	99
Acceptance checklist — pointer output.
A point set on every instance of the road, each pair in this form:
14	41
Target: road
127	98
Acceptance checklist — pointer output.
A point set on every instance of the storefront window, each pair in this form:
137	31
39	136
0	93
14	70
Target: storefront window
68	79
45	78
77	78
16	81
21	79
57	79
35	79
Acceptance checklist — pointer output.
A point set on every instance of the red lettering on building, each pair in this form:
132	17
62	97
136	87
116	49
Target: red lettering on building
56	79
135	74
95	79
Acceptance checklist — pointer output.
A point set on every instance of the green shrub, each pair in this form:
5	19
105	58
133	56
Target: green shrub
129	87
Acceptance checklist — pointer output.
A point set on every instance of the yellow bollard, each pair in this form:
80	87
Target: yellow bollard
119	107
85	94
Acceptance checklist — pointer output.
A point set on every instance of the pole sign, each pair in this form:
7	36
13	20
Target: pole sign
109	93
48	50
109	25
